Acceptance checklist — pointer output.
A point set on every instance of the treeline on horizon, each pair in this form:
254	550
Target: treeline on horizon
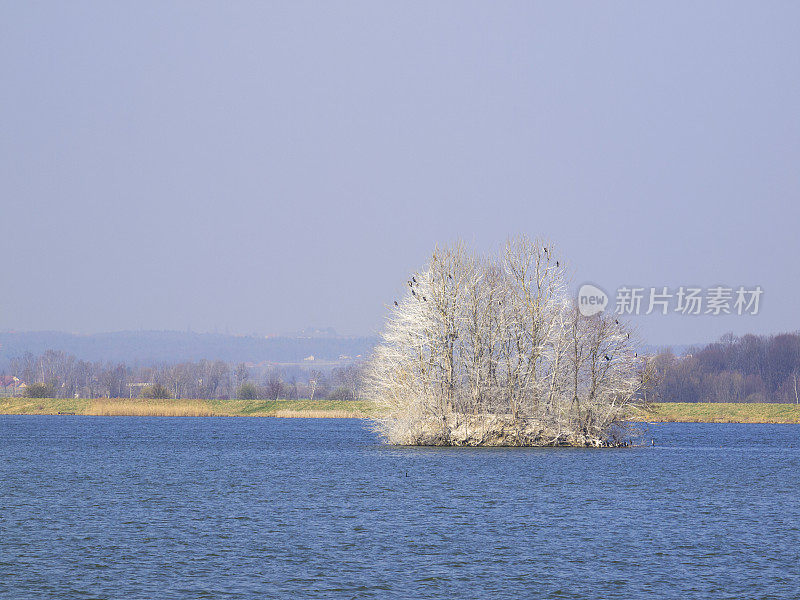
169	347
56	374
749	368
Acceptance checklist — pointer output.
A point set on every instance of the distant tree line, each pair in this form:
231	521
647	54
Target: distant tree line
60	375
169	347
750	368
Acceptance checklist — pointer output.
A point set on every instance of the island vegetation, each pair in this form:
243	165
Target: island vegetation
492	351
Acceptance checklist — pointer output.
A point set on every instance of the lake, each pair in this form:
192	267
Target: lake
132	507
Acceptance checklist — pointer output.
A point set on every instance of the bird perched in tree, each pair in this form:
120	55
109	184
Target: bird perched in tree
616	321
414	280
395	303
424	298
545	250
556	263
413	292
607	357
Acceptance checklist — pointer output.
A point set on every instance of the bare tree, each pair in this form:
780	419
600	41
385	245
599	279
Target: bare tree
490	351
241	374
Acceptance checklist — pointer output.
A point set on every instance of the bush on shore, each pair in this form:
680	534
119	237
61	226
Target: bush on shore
40	390
155	391
249	391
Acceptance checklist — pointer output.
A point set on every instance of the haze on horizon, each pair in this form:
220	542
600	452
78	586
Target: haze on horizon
266	167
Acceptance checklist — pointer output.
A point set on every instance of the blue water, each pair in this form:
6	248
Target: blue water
117	507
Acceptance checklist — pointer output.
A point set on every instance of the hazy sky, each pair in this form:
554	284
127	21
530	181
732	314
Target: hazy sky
264	167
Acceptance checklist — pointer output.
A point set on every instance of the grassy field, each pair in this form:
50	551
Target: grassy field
727	412
185	408
701	412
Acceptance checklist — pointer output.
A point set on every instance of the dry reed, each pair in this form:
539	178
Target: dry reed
149	408
318	414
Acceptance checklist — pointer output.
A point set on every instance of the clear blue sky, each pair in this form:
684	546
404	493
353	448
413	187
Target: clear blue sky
264	167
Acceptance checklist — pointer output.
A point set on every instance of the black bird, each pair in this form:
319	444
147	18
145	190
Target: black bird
449	276
395	302
635	355
414	280
556	263
424	298
616	321
629	336
607	357
545	250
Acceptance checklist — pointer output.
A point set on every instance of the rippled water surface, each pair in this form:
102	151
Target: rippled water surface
117	507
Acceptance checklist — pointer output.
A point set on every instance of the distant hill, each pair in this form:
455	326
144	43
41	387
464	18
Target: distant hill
678	350
154	347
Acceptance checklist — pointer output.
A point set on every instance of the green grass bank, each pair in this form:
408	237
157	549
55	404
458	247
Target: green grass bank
185	408
669	412
722	412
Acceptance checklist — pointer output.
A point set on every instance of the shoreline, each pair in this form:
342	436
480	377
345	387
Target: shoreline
136	407
668	412
721	412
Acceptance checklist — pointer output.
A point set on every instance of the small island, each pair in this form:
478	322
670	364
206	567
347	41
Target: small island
492	351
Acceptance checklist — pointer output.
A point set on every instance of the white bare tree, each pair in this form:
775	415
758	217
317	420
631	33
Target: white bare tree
491	351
